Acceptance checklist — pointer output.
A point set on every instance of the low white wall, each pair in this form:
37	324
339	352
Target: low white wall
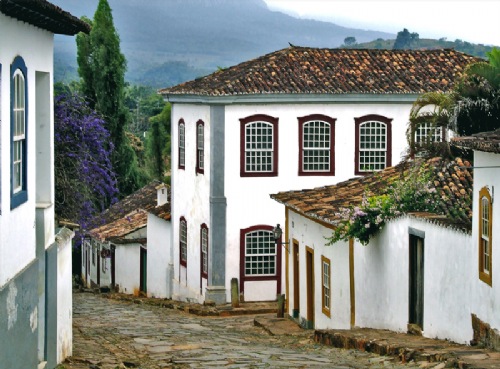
64	295
127	271
382	280
159	257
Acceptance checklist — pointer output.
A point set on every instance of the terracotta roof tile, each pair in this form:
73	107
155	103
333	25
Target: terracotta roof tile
303	70
452	184
119	228
129	214
45	15
484	141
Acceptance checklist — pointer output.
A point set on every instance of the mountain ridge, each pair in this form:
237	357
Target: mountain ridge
198	36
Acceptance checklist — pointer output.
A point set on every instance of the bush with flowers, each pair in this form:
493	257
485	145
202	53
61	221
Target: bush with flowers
414	192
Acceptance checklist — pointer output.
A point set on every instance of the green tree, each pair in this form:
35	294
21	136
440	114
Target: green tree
101	67
472	107
405	39
158	143
350	41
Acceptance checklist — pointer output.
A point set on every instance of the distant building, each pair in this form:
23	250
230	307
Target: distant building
35	263
128	249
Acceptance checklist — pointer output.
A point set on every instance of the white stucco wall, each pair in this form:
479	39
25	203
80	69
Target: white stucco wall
35	47
487	301
64	295
308	233
160	255
248	201
382	280
190	199
127	271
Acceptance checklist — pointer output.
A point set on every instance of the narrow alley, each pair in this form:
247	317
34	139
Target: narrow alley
111	334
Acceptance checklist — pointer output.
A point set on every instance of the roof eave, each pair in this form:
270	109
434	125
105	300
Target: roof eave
285	98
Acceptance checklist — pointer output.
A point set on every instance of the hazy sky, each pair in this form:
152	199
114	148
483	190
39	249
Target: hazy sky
476	21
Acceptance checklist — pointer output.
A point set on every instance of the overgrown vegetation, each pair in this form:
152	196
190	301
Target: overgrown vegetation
414	192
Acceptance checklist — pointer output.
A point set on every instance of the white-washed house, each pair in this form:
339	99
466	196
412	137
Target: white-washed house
485	257
115	250
296	118
419	270
35	262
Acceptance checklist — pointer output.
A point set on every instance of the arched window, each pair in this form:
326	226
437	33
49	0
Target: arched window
204	250
316	145
200	147
259	146
485	239
183	242
182	144
19	134
373	143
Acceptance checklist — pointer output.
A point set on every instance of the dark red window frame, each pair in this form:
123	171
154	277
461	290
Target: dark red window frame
203	227
244	278
199	168
357	124
243	123
180	152
302	122
182	261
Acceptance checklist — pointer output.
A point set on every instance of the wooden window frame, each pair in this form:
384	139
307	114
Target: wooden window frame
18	192
303	122
246	278
484	274
244	122
204	254
326	305
181	144
358	122
200	147
183	244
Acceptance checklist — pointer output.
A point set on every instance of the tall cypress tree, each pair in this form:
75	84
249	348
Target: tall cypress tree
102	66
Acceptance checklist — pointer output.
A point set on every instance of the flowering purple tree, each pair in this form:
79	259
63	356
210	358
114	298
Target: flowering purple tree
85	182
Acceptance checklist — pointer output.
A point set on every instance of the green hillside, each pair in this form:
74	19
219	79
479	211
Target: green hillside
479	50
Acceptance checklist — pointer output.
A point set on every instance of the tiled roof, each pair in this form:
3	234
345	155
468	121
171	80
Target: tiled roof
118	229
304	70
452	184
129	214
484	141
45	15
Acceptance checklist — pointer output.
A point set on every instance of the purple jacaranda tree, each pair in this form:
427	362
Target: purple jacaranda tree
85	183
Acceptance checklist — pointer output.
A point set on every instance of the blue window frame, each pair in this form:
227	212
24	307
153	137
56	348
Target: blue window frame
19	132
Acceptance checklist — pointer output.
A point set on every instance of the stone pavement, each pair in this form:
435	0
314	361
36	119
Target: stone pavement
121	331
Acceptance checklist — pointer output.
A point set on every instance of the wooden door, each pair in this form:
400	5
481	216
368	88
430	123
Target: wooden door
310	287
416	282
296	279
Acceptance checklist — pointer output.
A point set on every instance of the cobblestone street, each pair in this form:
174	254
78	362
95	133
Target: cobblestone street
110	334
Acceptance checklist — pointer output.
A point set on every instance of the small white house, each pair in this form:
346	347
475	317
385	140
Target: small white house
419	271
115	251
35	262
296	118
485	258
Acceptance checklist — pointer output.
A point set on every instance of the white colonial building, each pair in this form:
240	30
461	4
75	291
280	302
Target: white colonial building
296	118
418	273
35	263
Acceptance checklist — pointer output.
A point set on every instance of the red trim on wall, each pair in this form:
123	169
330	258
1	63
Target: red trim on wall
324	118
262	118
366	118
